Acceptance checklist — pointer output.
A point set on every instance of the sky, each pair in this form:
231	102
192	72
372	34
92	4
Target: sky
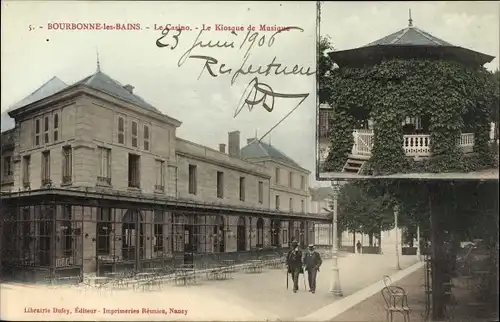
205	106
473	25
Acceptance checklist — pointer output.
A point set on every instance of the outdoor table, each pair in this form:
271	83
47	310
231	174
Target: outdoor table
221	273
255	266
145	280
145	275
97	279
97	282
114	274
229	263
184	274
276	263
118	279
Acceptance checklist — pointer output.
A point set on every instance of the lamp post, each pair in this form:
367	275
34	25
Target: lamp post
396	210
418	244
335	288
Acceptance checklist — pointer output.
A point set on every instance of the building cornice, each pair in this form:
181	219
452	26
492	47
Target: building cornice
222	164
90	194
290	190
77	90
283	164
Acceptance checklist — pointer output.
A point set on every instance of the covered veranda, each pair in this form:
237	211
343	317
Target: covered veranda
64	232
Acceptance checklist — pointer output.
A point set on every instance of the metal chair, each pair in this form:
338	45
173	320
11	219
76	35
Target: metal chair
396	301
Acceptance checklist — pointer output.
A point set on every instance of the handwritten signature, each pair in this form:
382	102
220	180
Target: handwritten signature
253	88
214	68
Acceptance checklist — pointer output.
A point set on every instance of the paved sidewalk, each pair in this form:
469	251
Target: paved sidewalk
254	297
372	309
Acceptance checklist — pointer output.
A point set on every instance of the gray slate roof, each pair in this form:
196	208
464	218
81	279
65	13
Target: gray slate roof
106	84
98	81
411	36
260	150
53	86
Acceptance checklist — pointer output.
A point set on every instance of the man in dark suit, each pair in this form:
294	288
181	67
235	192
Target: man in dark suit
312	262
294	263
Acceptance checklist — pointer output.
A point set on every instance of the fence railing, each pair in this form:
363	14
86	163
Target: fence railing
413	144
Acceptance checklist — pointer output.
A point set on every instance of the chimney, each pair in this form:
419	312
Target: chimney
129	88
251	140
234	143
222	148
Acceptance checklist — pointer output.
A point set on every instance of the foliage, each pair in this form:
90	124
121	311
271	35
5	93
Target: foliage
468	209
495	115
325	65
453	98
363	210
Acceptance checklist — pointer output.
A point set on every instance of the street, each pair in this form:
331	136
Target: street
245	297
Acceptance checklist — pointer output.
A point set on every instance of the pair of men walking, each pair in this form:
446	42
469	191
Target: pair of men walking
312	262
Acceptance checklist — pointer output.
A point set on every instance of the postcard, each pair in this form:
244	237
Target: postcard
381	111
156	158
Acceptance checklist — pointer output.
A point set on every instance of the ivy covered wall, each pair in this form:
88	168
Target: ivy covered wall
453	97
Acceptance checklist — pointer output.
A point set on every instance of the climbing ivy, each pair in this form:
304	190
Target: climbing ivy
454	98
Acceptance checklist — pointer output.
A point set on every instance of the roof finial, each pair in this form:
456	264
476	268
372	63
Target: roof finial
410	20
98	63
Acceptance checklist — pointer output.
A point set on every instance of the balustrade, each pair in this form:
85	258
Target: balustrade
413	145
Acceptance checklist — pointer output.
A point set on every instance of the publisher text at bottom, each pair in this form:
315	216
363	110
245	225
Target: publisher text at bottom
149	311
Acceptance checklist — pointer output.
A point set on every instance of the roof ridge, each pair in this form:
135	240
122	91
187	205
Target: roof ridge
404	32
426	35
260	144
91	78
37	90
377	40
45	83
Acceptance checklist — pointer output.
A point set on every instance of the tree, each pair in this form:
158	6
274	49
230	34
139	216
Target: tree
495	114
363	209
325	64
457	210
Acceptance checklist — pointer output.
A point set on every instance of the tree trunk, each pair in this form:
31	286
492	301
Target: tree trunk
438	261
370	239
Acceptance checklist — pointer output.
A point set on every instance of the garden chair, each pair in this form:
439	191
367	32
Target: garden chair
396	301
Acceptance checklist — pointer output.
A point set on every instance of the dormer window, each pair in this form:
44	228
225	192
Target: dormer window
121	130
146	137
56	127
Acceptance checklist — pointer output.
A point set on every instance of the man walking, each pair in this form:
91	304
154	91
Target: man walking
312	262
294	263
358	246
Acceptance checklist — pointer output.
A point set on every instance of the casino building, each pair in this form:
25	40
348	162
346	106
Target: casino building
95	178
